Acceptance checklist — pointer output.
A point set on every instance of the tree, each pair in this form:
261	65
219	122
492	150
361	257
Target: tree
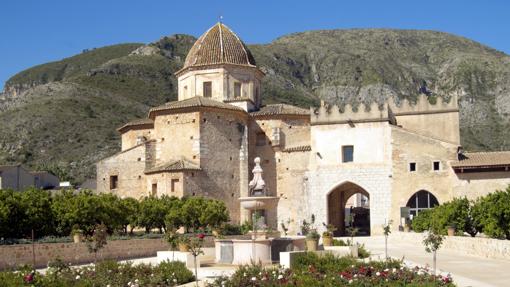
130	207
214	214
195	247
97	240
386	232
433	242
37	214
152	214
192	210
174	217
456	213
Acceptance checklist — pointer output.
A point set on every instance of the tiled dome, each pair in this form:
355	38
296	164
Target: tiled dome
219	45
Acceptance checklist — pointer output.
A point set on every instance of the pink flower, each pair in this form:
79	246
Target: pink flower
201	236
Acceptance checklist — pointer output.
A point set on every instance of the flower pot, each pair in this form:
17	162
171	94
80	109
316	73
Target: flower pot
327	240
407	228
451	231
183	247
77	237
216	233
311	244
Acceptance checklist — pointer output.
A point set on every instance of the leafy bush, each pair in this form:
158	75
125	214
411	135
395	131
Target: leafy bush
363	252
456	213
107	273
491	213
314	270
422	221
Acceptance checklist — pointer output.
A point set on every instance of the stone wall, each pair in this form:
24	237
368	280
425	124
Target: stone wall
77	253
410	147
130	138
128	166
477	246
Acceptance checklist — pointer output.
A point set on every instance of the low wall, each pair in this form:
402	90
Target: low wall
77	253
12	256
478	246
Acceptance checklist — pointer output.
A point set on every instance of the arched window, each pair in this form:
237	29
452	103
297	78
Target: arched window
420	201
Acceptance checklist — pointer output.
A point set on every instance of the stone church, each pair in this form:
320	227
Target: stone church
378	162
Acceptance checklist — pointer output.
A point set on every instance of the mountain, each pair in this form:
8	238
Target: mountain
62	115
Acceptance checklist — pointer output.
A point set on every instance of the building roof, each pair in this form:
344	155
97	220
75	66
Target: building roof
174	165
197	101
280	109
219	45
137	123
482	160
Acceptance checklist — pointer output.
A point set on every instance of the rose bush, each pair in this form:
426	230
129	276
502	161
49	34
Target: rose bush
107	273
313	270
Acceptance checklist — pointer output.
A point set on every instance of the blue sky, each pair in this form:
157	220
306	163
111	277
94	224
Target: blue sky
38	31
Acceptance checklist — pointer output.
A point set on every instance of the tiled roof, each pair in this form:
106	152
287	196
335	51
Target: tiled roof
219	45
137	122
197	101
175	165
298	148
483	159
280	109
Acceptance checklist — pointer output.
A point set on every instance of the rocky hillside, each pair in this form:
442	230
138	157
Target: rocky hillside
63	115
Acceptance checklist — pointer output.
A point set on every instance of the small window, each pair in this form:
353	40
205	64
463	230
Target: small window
154	189
261	139
185	90
207	89
237	90
174	184
114	182
436	165
412	166
348	153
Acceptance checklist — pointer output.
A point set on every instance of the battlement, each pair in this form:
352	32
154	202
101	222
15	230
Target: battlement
332	114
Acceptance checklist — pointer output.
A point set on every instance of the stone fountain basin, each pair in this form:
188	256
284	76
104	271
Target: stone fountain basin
256	202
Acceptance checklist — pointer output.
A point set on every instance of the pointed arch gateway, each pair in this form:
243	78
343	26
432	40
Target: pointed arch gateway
349	199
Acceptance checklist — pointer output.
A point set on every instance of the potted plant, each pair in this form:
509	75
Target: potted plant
77	233
312	240
327	236
451	230
183	243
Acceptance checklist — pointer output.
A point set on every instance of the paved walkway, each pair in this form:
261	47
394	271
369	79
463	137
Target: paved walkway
466	270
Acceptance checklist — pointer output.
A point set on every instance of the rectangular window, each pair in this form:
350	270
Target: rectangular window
436	165
173	184
207	89
154	190
237	90
261	139
114	182
412	166
348	153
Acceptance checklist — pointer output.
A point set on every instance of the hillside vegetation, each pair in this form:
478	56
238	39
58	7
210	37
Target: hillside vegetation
65	113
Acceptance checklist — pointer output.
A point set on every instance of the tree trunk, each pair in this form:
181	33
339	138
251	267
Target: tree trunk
196	270
434	261
386	247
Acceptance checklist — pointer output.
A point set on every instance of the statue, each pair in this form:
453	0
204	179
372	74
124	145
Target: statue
257	185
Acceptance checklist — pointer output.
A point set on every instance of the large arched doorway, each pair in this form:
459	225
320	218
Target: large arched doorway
421	200
348	205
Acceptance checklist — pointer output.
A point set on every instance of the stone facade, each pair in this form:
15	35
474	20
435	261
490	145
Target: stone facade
16	177
393	155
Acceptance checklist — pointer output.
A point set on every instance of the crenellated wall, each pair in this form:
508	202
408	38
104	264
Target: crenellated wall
439	120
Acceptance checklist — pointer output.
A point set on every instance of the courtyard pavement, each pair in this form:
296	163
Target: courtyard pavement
466	270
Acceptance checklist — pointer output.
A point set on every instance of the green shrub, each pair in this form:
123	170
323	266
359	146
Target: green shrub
328	270
455	213
363	252
106	273
491	213
422	221
339	242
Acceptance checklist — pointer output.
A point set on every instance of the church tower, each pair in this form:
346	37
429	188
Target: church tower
219	66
